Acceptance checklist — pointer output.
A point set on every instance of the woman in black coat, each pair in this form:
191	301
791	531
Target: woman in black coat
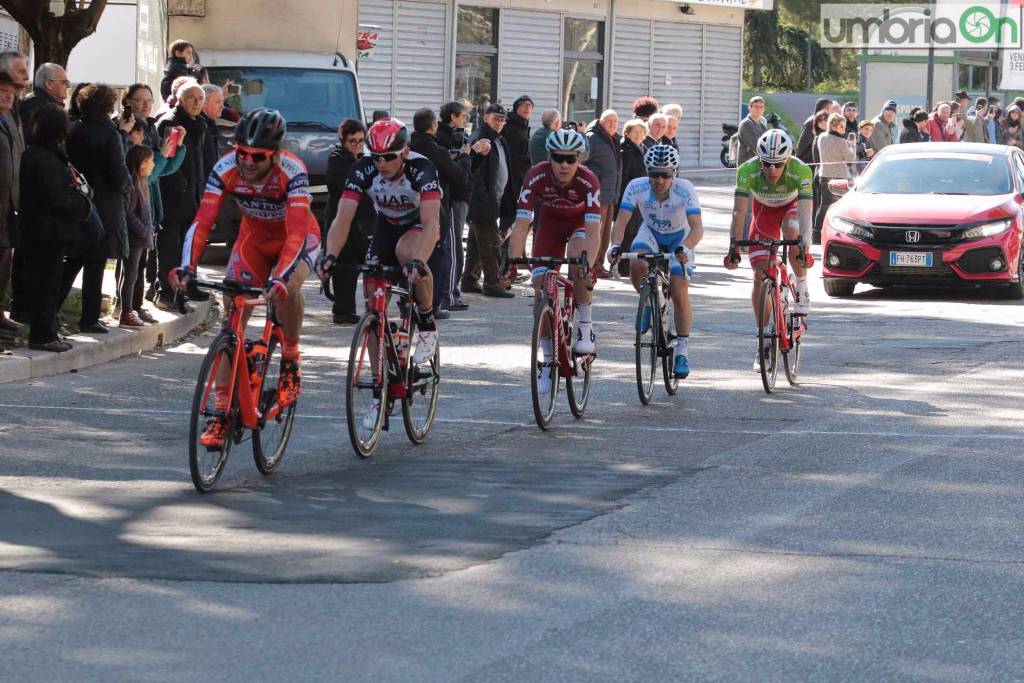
352	134
55	205
632	149
94	147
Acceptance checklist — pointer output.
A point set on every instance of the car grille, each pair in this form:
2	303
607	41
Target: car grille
896	235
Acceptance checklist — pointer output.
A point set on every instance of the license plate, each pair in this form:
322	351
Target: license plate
919	259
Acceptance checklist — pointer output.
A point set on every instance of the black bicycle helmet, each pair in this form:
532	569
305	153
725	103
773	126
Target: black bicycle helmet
261	128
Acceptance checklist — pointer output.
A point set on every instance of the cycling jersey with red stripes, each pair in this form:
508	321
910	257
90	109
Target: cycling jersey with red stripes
397	199
277	224
564	210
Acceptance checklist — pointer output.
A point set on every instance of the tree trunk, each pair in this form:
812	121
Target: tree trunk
53	37
49	46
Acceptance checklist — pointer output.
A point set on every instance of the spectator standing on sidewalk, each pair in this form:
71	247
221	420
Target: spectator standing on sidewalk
453	177
836	159
94	147
550	120
1010	128
10	162
752	127
886	131
808	134
490	172
632	151
915	127
656	127
178	64
850	114
605	160
213	107
865	152
940	126
674	112
451	134
645	107
517	135
15	65
139	215
55	205
976	124
50	88
181	191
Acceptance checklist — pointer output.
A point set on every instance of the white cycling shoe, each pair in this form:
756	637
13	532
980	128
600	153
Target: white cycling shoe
586	340
370	419
426	345
802	305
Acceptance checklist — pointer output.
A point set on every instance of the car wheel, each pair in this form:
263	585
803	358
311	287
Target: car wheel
839	287
1016	289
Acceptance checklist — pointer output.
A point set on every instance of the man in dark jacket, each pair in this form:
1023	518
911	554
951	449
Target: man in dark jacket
181	191
344	277
491	171
517	134
213	107
51	87
178	64
850	114
751	129
805	147
454	178
550	120
605	161
915	127
451	134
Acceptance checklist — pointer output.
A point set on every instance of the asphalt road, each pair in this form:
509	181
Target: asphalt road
865	525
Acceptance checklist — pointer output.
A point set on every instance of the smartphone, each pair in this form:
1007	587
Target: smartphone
232	89
174	140
126	113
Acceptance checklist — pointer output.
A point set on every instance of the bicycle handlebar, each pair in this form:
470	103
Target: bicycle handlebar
230	287
767	243
644	256
548	261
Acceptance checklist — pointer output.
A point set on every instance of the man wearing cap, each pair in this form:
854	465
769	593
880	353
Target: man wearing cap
491	171
805	147
963	99
886	132
850	114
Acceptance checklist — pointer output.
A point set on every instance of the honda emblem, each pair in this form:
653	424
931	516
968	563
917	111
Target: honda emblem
913	237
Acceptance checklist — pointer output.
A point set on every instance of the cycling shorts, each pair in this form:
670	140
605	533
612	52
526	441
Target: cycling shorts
551	241
385	241
766	224
653	242
254	255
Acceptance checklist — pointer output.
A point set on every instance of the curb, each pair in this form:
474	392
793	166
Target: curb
93	349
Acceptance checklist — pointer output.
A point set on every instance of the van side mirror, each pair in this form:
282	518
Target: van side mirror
839	186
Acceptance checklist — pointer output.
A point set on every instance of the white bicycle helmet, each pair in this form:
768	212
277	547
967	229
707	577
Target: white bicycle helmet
774	146
663	158
566	141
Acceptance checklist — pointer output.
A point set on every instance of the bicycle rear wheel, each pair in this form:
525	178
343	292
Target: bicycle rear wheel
544	401
578	392
270	441
768	342
646	344
668	371
421	393
791	358
206	465
366	390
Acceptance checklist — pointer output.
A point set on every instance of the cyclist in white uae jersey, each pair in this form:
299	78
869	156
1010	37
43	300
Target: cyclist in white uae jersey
670	211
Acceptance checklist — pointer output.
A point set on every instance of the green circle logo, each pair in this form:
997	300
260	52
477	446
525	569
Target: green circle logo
977	24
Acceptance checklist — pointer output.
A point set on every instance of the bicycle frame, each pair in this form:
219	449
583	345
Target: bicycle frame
777	273
381	289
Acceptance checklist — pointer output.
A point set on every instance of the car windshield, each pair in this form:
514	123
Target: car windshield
317	98
932	173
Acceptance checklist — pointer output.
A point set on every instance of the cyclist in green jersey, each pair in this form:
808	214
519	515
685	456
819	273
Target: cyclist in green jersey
778	188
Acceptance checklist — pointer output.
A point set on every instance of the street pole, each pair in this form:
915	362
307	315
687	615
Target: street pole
931	61
810	81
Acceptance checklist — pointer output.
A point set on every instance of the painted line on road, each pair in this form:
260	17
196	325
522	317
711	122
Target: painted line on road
578	425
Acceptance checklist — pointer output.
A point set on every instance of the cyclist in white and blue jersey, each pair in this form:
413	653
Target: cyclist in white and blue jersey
671	217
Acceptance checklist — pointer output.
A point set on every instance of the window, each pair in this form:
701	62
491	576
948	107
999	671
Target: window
582	69
308	98
476	55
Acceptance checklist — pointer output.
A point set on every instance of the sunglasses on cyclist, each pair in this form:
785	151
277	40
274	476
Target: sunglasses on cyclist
390	156
256	155
567	159
773	164
659	174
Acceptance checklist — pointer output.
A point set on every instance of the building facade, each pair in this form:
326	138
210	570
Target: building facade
577	56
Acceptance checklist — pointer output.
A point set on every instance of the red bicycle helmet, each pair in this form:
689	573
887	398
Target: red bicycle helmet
387	135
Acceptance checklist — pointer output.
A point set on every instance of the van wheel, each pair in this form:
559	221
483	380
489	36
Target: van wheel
839	288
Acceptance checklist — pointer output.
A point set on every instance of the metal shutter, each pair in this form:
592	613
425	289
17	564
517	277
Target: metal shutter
631	64
420	74
375	73
530	59
723	52
677	79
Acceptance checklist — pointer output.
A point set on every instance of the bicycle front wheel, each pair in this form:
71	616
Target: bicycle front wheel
647	329
768	337
668	371
577	387
544	367
270	441
206	464
366	388
791	358
422	389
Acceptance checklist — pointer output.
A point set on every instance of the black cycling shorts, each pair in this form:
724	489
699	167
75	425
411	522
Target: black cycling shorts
385	241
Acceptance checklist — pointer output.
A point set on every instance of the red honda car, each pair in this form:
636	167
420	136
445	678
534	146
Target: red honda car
946	214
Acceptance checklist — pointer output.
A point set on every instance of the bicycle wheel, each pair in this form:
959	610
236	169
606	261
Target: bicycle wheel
791	358
543	402
206	465
646	344
269	442
578	391
366	390
768	343
668	371
421	393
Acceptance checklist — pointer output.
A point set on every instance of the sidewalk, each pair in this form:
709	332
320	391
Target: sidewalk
22	363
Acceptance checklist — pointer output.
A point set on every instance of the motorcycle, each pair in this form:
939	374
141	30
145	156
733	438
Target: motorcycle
731	141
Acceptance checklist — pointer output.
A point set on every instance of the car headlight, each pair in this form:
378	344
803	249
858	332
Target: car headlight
986	230
848	227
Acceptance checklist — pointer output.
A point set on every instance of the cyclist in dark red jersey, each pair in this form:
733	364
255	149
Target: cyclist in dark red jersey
564	195
407	196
